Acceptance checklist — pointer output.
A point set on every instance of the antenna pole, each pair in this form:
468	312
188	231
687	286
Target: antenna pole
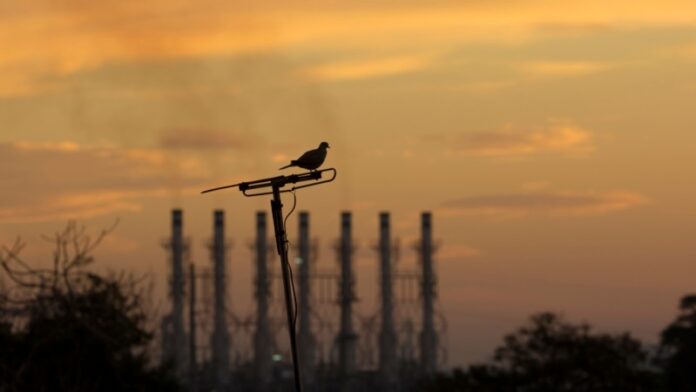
252	188
282	245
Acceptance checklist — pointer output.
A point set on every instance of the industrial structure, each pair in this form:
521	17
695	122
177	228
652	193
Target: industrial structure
387	332
172	327
346	338
341	347
220	339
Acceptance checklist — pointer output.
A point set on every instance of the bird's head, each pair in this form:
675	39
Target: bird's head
324	145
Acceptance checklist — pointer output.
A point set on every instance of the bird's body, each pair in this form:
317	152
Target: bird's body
310	160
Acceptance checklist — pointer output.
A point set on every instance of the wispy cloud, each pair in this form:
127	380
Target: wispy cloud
204	139
64	146
365	69
456	252
564	68
545	203
76	35
485	86
73	206
509	142
66	180
687	50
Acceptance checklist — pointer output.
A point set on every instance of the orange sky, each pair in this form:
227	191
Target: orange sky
552	140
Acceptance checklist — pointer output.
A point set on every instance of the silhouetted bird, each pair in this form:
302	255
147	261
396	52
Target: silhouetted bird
310	160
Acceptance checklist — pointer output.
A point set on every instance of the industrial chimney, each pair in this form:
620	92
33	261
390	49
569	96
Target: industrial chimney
262	337
220	339
306	341
347	338
174	341
387	334
428	338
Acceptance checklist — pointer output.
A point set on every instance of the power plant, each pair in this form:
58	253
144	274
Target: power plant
341	347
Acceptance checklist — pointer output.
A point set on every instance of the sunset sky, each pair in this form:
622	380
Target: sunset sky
552	140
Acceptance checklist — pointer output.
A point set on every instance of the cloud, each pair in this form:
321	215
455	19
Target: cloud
189	105
203	139
66	37
64	146
550	139
71	206
365	69
456	252
485	86
564	68
65	180
545	203
687	51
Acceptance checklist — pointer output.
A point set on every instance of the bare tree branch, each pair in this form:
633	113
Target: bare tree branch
72	251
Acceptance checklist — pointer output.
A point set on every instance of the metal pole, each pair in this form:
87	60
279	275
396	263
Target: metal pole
281	244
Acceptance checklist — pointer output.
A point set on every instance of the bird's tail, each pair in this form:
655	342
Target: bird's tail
292	163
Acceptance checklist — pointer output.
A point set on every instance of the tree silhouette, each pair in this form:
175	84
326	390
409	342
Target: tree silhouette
678	347
64	328
552	355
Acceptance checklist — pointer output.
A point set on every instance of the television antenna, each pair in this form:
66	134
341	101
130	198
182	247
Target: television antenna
277	185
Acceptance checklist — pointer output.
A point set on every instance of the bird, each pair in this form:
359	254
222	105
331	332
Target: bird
311	159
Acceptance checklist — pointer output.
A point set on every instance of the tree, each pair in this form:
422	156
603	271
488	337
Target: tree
64	328
552	355
678	347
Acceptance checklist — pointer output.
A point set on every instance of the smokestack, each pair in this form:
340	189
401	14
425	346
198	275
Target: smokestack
428	338
262	337
305	338
347	337
220	338
177	292
387	334
193	370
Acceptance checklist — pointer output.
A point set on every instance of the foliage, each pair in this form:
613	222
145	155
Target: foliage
678	348
67	329
552	355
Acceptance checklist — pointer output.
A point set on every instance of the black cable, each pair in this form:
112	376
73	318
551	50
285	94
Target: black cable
294	204
287	245
294	297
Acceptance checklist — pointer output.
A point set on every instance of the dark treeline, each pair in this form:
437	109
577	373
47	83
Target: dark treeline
63	328
552	355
